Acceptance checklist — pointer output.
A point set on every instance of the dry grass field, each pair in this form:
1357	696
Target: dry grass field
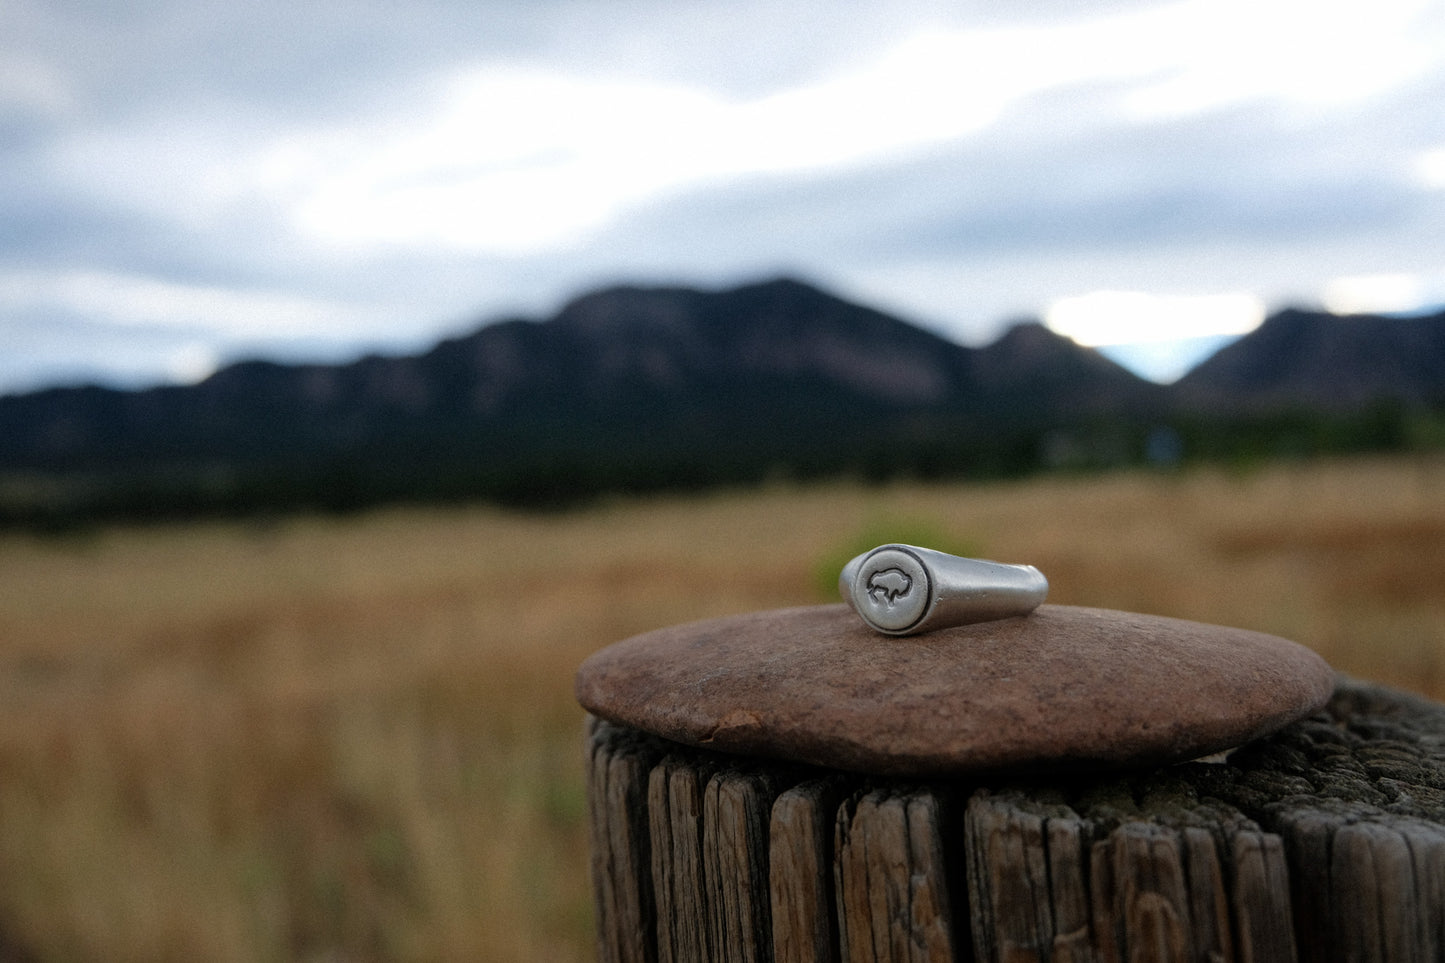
354	739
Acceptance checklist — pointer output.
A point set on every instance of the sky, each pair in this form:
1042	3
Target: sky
185	183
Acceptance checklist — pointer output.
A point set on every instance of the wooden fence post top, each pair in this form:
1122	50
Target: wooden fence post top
1322	842
1063	687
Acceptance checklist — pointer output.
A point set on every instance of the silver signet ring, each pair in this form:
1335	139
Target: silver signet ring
904	589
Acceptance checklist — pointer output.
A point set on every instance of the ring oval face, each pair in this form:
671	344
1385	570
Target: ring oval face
892	590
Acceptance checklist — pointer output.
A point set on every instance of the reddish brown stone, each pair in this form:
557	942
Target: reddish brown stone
1064	686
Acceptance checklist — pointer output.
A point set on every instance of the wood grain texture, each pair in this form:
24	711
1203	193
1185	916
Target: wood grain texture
1322	843
1105	879
891	878
800	872
675	800
737	811
619	763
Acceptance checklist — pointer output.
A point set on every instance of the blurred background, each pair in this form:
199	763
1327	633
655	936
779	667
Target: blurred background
364	367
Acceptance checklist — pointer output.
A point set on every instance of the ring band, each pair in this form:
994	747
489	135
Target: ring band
904	589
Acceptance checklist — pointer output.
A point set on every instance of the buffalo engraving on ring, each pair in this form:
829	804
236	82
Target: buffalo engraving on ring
889	585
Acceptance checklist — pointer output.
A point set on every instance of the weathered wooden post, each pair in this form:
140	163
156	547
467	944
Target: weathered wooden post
791	786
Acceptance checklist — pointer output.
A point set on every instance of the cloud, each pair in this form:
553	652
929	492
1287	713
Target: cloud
145	302
1375	294
1429	168
228	176
1056	193
518	159
44	349
1134	317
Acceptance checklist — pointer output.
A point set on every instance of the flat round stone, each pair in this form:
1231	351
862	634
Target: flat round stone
1065	686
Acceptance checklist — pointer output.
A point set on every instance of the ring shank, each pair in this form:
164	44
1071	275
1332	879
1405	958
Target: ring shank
960	591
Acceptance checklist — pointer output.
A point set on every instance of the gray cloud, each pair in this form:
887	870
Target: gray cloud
106	110
1215	179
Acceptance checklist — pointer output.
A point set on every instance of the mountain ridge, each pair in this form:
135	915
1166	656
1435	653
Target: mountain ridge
1313	359
636	388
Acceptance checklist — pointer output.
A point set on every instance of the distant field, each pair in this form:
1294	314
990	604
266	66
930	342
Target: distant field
354	739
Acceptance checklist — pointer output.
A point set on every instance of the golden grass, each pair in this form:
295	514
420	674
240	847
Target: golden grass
354	739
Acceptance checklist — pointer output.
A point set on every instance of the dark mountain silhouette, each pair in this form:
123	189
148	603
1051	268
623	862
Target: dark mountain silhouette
636	389
629	388
1314	361
1032	369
